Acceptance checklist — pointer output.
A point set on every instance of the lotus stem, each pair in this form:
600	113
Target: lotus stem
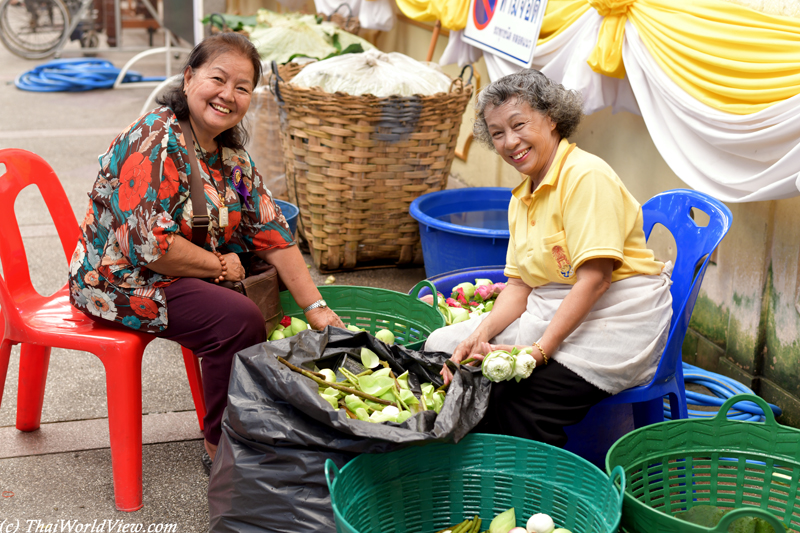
342	388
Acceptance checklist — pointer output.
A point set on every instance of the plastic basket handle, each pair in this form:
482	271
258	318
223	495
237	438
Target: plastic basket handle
471	73
343	4
274	78
768	517
619	472
722	415
223	25
425	283
331	471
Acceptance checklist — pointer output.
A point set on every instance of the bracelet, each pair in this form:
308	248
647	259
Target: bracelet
544	355
223	267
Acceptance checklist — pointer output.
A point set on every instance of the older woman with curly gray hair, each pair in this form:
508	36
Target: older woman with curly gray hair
585	295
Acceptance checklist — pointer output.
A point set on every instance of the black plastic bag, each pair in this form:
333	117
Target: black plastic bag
277	431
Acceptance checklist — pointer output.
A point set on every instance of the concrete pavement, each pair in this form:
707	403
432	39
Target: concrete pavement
62	472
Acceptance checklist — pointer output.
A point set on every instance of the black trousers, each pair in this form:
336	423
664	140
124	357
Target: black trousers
539	407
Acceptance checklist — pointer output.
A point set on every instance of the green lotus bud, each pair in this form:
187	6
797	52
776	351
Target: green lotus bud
297	326
459	314
498	366
469	289
523	365
385	335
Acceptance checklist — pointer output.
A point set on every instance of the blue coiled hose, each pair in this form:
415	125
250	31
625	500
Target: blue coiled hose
723	388
75	75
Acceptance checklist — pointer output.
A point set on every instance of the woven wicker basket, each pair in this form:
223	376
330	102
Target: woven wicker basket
265	134
354	164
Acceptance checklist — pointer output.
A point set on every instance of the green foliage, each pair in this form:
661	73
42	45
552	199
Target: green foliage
710	515
234	22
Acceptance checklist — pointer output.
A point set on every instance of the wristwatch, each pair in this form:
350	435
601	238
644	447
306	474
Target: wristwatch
318	303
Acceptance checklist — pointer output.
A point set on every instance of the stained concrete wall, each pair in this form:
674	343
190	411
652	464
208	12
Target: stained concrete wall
746	323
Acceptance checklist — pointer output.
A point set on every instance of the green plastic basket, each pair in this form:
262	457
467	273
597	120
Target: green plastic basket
752	467
424	489
410	319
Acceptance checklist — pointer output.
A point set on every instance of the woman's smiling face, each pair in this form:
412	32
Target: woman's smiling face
218	94
524	137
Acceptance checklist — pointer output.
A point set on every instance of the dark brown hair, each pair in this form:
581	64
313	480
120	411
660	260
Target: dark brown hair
207	50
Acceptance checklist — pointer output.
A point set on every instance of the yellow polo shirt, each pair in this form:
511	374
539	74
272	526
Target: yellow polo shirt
580	211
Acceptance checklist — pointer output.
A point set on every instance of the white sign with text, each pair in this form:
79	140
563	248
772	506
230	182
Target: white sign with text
505	28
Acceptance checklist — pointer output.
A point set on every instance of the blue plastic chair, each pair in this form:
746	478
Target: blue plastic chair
673	210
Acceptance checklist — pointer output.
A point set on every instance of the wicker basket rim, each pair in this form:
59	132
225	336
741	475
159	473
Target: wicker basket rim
457	88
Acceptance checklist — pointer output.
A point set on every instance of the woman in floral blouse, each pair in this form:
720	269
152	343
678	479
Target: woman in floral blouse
135	263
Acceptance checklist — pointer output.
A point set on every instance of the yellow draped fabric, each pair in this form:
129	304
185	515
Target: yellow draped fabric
606	58
559	15
452	13
729	57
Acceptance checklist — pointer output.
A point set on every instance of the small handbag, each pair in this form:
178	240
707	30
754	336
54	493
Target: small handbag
262	283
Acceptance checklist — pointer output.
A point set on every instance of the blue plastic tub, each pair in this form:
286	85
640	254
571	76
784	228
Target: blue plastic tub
447	246
290	213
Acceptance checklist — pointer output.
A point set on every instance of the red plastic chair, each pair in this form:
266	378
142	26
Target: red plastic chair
39	323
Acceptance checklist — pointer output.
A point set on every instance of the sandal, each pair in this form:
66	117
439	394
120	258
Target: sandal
207	462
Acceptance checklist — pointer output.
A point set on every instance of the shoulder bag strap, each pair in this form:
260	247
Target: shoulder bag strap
200	218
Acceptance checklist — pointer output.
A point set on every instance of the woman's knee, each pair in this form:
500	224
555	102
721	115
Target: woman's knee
248	321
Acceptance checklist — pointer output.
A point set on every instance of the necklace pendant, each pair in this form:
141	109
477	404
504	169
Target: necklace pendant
223	216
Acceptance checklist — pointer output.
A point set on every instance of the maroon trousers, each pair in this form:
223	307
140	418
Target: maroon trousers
215	323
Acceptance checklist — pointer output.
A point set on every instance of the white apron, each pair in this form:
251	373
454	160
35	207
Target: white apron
617	346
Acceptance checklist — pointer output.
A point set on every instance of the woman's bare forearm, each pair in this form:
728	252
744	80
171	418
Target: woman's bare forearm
508	307
594	279
187	260
294	273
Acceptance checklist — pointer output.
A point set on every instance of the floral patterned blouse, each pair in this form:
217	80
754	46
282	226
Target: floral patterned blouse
140	201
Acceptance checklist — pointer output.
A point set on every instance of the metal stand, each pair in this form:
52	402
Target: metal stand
168	50
148	104
172	43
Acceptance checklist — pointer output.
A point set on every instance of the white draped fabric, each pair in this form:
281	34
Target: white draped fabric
735	158
458	52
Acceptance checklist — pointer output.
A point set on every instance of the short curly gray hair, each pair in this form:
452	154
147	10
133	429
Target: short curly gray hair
563	106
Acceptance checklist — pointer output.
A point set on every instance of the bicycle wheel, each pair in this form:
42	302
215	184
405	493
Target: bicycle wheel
33	29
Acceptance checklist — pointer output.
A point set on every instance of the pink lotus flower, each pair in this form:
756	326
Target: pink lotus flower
474	304
498	287
452	303
484	291
428	299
